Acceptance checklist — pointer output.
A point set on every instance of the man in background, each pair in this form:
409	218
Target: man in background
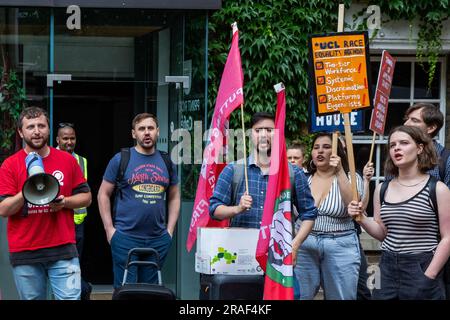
296	154
67	140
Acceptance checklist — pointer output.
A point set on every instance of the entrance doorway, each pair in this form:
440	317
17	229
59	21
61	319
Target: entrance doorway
117	62
101	112
117	69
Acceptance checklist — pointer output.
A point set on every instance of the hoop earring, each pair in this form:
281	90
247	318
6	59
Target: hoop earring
312	165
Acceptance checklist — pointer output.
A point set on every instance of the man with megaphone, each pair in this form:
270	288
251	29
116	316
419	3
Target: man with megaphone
41	232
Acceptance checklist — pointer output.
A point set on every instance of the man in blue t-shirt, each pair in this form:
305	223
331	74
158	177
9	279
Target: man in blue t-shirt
140	212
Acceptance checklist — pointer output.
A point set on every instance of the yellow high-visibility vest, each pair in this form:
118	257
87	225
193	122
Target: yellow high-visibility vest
80	213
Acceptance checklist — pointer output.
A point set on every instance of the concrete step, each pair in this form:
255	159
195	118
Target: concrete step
101	292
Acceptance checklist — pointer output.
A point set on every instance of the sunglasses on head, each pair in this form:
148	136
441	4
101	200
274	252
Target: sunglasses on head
65	125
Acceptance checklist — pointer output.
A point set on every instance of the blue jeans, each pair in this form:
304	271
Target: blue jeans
122	243
402	277
64	277
331	261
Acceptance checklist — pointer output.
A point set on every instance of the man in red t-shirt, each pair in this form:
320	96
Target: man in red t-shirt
42	241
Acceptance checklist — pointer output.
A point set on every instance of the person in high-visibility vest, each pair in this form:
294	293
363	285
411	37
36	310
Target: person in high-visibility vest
66	140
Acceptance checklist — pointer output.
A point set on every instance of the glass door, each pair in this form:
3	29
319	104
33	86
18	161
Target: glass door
24	43
117	62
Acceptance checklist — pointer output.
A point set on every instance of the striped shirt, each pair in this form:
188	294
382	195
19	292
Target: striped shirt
333	216
411	225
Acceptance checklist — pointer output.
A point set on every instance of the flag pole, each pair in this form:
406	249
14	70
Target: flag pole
245	149
234	27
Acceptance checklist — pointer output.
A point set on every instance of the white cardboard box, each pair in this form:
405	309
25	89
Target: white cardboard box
227	251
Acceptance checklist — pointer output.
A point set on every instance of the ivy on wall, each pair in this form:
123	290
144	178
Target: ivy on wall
12	101
273	39
431	14
273	42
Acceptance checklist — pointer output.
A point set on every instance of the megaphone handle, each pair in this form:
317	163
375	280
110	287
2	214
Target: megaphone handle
31	161
25	209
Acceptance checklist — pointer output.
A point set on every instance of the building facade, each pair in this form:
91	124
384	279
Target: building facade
96	65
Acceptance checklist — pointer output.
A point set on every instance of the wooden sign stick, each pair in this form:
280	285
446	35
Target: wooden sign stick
372	147
348	131
334	142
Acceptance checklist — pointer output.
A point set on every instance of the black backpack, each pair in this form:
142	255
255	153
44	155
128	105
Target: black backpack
120	184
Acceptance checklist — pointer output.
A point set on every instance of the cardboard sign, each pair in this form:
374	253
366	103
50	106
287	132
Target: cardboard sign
338	64
227	251
384	85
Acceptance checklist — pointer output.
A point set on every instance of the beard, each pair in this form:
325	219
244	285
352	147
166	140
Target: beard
266	150
264	154
34	145
147	146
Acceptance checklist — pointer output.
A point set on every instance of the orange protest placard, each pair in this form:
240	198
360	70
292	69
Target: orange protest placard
339	73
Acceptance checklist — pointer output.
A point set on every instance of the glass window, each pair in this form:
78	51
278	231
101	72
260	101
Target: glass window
24	43
24	38
402	80
421	90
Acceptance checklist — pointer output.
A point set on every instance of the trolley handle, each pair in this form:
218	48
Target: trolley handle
143	252
141	264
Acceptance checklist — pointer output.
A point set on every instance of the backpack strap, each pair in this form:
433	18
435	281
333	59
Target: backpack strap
124	159
383	189
294	212
168	162
432	185
443	158
238	177
433	197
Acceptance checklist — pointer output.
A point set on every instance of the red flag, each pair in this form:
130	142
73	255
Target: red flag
274	249
229	97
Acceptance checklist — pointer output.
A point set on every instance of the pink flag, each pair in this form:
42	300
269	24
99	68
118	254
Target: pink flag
229	97
274	249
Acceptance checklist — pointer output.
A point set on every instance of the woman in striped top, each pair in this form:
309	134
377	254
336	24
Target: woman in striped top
406	223
330	256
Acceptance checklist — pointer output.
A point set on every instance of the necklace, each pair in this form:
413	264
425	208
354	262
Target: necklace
411	185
